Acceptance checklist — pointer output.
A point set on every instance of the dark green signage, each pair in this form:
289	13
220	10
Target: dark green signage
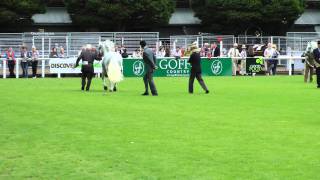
168	67
255	65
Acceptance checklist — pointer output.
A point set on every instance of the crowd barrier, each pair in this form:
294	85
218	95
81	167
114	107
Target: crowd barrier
167	66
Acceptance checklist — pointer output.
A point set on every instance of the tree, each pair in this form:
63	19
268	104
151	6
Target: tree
237	16
120	15
19	12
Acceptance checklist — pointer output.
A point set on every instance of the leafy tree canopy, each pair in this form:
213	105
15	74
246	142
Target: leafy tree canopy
15	12
120	15
237	16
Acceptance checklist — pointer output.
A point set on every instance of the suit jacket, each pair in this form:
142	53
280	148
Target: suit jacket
216	52
195	61
149	59
316	54
88	58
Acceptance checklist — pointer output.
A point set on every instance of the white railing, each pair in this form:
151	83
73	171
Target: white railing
43	65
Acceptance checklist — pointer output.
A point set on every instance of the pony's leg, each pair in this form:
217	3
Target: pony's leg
112	85
105	86
115	87
103	76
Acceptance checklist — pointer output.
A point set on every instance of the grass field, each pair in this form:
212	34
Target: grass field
246	128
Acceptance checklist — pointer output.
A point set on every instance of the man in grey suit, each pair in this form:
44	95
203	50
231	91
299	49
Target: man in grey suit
149	60
316	54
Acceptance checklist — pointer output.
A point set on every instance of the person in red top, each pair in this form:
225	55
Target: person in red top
11	61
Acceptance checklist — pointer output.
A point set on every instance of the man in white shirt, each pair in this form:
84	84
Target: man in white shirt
215	50
243	55
234	54
177	53
268	53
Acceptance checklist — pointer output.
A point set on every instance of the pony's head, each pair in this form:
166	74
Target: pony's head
107	46
311	46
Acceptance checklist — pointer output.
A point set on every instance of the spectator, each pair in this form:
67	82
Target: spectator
202	52
291	61
53	53
61	53
24	61
234	54
243	56
182	50
177	53
274	61
250	51
215	50
268	54
34	60
167	54
206	49
124	54
162	52
121	49
282	51
11	61
136	53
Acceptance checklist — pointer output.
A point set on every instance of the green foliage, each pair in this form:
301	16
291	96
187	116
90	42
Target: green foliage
121	14
235	16
18	11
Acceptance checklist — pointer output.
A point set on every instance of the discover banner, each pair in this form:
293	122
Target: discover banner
66	66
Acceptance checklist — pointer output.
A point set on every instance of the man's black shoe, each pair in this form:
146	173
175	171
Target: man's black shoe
145	94
207	91
105	88
114	89
82	89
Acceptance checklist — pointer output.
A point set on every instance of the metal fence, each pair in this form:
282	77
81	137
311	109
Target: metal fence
73	41
294	42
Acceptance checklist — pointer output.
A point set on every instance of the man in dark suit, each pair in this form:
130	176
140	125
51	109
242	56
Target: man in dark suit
316	54
215	50
195	62
149	60
87	56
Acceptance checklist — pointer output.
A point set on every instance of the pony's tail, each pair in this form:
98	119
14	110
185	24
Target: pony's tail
114	72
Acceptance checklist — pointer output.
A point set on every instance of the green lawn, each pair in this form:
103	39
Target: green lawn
246	128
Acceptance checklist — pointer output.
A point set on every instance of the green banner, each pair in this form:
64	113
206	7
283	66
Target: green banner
255	65
168	67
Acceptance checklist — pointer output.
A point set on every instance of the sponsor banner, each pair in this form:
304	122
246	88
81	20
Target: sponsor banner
167	67
171	67
255	65
66	66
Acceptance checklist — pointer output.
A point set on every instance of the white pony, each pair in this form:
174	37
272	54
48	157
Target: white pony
112	65
311	46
